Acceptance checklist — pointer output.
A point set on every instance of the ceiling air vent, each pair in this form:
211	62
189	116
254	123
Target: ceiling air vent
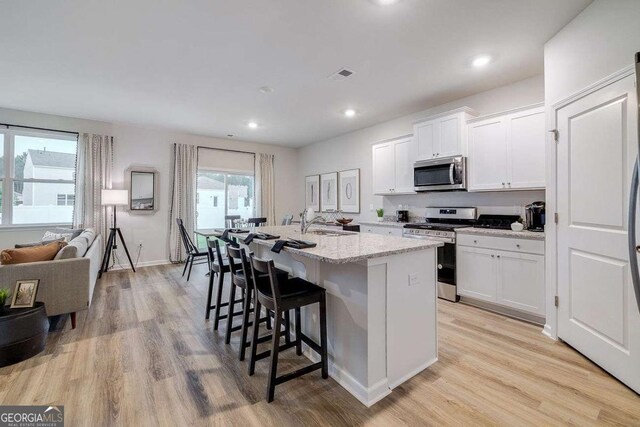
342	74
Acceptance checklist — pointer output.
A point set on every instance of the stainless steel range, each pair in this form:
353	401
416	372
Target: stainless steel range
440	224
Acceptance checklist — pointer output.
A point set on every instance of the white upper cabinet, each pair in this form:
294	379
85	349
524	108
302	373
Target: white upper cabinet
527	149
507	151
393	166
487	154
383	168
443	135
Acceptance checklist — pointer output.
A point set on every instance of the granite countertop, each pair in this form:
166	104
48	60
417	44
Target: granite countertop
384	223
344	249
524	234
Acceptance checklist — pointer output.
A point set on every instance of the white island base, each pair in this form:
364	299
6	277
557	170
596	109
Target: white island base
381	317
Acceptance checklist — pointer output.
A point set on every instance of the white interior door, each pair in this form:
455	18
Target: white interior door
597	147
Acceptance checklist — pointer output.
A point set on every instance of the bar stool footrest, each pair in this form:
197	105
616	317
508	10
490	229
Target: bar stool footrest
283	347
311	343
298	373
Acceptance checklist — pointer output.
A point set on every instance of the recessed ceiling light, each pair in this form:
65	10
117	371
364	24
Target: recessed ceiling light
252	125
266	89
350	112
385	2
481	61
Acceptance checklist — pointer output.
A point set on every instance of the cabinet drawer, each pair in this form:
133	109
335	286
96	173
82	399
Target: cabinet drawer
501	243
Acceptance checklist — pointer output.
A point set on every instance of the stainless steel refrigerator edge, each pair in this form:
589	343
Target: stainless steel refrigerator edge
634	248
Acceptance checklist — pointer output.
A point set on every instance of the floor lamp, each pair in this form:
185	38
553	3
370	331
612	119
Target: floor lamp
114	198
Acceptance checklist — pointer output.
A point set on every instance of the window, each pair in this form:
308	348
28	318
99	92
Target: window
37	174
66	199
215	201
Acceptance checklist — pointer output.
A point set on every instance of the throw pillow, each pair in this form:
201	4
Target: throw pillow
75	232
37	253
49	236
29	245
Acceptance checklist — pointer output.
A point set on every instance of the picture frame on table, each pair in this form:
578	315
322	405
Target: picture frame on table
349	191
329	192
312	192
24	295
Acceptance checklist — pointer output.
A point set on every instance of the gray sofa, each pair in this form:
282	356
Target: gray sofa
67	282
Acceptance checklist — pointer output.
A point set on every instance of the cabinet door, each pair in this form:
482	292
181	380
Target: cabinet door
487	155
425	135
526	136
450	137
476	275
383	168
521	281
404	154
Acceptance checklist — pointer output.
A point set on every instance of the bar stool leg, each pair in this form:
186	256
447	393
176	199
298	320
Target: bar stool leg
190	267
216	316
323	336
287	327
209	294
230	310
298	332
245	322
275	348
254	336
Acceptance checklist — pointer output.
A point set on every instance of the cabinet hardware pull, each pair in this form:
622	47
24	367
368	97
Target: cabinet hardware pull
492	256
503	184
517	246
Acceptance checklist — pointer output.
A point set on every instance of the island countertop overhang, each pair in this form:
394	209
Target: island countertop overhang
348	248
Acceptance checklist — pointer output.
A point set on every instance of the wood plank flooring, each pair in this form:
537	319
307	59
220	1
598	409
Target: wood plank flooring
143	355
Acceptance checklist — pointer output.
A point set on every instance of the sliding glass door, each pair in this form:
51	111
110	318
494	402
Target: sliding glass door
220	194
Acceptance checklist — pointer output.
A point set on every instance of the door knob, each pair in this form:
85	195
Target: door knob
638	248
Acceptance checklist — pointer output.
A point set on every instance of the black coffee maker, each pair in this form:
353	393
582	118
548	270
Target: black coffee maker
535	216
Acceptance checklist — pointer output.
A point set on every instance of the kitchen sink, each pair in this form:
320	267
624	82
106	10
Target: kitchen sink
324	232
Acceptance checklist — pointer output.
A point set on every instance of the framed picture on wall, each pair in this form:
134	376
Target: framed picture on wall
349	191
312	192
329	191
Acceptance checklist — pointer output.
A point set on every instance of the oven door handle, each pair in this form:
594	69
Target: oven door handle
451	170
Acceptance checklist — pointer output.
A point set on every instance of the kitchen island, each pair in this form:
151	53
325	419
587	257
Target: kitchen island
381	303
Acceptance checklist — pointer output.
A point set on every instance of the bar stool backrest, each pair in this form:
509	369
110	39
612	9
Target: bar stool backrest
261	267
257	221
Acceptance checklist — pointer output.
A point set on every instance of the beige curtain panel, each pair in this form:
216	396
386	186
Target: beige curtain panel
183	197
94	170
266	187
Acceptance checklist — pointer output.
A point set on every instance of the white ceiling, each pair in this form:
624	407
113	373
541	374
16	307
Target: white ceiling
197	66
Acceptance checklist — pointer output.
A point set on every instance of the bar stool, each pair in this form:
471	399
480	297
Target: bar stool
241	277
218	267
280	297
228	220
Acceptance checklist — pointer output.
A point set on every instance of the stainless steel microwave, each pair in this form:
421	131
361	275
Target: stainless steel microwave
447	173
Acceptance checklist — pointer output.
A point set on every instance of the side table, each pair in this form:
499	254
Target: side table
23	333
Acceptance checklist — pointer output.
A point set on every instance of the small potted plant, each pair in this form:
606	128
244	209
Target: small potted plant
380	213
4	295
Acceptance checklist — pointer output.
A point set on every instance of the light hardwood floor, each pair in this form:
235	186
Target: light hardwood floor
143	355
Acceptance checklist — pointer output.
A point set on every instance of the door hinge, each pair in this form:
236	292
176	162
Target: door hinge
556	300
555	217
556	135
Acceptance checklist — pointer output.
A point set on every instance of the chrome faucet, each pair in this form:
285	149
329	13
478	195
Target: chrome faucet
304	224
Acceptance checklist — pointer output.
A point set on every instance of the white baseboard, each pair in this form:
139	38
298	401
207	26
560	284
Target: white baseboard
546	331
368	396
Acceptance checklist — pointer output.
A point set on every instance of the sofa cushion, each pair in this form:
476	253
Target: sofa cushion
36	253
88	234
75	232
72	250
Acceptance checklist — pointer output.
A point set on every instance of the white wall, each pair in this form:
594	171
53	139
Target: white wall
136	145
595	44
353	150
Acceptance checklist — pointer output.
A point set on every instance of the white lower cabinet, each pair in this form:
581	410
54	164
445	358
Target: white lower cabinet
381	229
513	279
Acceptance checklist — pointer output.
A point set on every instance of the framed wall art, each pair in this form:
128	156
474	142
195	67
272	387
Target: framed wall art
329	191
349	191
312	192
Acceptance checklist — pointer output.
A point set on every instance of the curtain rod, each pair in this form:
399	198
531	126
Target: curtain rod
37	128
226	149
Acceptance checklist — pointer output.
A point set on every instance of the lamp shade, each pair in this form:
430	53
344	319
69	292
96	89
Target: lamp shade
115	197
